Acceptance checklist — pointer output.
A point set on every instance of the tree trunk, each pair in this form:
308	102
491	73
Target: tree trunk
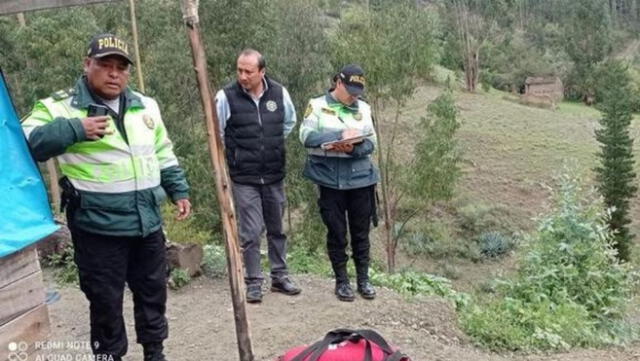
134	31
385	190
472	69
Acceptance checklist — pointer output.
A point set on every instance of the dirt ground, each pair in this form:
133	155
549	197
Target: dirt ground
202	327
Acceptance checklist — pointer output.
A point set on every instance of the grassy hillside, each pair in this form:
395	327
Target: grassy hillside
511	153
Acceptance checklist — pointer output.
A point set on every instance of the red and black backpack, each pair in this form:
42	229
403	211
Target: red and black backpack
347	345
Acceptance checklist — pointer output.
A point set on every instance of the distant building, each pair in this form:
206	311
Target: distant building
545	87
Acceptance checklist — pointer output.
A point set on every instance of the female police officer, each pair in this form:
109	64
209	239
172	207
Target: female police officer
339	136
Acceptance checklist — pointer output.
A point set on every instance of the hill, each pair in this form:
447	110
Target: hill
512	153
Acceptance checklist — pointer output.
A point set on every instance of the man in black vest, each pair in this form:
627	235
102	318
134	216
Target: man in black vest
256	114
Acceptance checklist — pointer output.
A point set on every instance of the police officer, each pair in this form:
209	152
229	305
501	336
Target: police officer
339	136
256	114
118	169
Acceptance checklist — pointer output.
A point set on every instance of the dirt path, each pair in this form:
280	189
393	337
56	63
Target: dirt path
201	325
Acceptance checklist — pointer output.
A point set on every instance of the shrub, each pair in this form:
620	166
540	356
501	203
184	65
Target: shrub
301	260
179	278
214	261
569	290
474	219
65	269
418	244
184	231
310	232
437	239
415	283
494	244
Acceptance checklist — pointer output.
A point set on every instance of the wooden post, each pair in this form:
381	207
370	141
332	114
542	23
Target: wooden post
19	6
134	30
54	188
234	262
24	319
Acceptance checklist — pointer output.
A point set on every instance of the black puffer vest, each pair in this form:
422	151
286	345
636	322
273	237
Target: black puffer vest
254	136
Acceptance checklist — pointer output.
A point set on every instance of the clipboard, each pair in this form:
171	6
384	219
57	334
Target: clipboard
352	140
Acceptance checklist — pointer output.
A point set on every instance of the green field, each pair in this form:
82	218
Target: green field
512	153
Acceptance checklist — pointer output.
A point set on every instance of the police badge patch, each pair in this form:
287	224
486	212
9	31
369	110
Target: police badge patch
148	121
272	106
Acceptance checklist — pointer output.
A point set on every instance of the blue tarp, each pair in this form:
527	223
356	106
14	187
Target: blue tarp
25	214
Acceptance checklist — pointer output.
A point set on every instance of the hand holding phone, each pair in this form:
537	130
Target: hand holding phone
96	123
95	110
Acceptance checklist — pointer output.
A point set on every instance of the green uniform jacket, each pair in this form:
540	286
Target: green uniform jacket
324	121
122	181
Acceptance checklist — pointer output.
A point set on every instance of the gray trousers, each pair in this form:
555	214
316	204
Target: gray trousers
259	207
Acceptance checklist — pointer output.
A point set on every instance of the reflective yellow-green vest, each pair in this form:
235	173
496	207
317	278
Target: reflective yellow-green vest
119	180
324	121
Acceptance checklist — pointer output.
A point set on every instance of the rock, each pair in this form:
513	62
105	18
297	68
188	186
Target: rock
185	256
55	243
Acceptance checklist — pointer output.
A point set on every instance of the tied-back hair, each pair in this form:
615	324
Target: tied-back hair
334	81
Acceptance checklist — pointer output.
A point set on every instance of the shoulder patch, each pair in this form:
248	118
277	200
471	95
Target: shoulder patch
62	94
328	111
308	111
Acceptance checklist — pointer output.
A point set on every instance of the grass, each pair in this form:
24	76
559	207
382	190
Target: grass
512	151
511	155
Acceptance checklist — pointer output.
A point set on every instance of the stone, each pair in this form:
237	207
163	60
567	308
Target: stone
185	256
55	243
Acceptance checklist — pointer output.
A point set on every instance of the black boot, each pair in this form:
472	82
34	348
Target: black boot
153	351
365	288
344	292
343	288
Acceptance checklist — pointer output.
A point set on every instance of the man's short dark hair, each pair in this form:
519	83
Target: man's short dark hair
249	52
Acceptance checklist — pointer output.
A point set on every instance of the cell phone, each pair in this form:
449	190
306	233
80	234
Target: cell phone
96	110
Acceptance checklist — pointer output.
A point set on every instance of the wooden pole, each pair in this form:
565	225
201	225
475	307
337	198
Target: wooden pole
53	184
234	261
134	30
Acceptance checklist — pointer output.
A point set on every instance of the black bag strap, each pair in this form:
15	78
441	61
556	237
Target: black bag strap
342	334
376	338
317	349
308	351
397	356
373	336
368	354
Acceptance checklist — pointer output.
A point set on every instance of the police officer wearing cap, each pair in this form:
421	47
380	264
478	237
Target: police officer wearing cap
339	136
118	166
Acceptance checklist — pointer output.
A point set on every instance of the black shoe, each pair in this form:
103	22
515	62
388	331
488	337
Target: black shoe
284	285
366	290
254	294
344	292
153	351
